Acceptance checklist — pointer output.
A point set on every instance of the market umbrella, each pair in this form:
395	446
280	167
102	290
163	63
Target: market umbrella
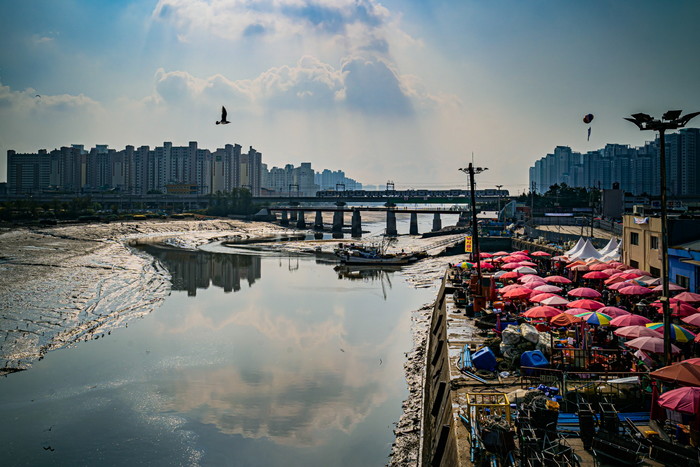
613	311
509	266
635	290
485	265
629	320
528	263
632	332
529	276
543	295
576	311
681	373
672	288
532	283
526	270
565	319
678	309
586	304
466	265
688	297
592	317
650	344
686	400
510	275
618	285
540	253
548	288
596	275
580	267
678	333
542	311
557	280
518	293
638	272
584	292
501	253
692	361
485	255
610	272
693	320
510	287
555	301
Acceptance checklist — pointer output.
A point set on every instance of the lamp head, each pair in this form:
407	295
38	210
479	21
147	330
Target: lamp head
671	114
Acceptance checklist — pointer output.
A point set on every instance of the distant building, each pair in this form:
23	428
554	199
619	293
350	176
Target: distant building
684	264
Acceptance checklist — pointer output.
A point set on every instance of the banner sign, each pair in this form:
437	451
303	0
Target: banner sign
641	220
468	245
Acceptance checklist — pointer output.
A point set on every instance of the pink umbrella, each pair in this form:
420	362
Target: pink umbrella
629	320
599	267
638	272
610	272
554	301
671	287
584	292
596	275
485	265
529	276
518	293
635	290
557	280
580	267
688	297
686	400
693	320
650	344
678	309
613	311
511	275
632	332
619	285
540	253
542	312
576	311
532	283
586	304
485	255
541	296
508	266
510	287
548	288
501	253
528	263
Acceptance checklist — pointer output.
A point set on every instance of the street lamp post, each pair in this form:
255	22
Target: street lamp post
471	171
671	120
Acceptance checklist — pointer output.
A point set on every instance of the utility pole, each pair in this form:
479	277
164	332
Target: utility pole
498	218
532	202
471	171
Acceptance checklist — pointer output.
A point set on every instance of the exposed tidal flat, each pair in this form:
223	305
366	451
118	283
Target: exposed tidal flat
309	374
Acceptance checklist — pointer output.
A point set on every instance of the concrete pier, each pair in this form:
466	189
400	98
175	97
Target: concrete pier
285	218
356	228
301	223
318	222
413	229
293	216
463	220
391	224
338	222
437	222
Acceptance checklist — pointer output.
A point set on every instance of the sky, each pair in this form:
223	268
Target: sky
402	90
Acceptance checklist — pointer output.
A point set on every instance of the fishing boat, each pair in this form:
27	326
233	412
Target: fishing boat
371	255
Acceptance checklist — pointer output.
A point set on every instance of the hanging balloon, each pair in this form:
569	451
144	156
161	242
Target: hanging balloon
588	118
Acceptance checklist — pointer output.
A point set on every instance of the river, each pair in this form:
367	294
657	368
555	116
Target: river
254	359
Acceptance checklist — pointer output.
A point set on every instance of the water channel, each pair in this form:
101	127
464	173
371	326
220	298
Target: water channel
253	360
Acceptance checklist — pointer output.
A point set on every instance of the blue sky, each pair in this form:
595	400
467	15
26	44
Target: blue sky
394	90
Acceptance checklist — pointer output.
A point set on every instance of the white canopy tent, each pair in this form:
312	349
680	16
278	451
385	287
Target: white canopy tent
576	247
587	251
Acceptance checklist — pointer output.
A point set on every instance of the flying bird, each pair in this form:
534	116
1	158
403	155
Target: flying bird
223	117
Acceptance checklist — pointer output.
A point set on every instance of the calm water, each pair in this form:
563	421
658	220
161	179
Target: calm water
252	361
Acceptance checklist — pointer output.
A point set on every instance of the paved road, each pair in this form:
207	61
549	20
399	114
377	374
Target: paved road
576	230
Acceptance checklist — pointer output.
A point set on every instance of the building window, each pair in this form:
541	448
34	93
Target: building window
654	243
634	238
634	264
654	271
683	281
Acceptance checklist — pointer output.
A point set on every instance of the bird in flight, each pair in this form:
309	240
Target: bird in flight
223	117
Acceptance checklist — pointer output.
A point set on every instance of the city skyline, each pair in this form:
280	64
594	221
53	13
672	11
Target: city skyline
406	91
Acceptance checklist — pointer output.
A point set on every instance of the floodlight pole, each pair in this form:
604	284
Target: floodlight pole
470	170
671	120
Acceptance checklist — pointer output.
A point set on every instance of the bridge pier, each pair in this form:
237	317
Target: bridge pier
356	228
391	224
413	229
285	219
463	220
318	223
301	223
338	221
437	222
293	216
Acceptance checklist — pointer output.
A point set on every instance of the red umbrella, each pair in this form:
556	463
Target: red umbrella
637	272
692	361
528	263
510	275
635	290
650	344
557	280
681	373
693	320
610	272
542	312
619	285
686	400
510	266
485	255
501	253
510	287
584	292
541	296
580	267
678	309
596	275
548	288
673	288
518	293
485	265
599	267
576	311
565	319
586	304
540	253
632	332
629	320
532	283
688	297
613	311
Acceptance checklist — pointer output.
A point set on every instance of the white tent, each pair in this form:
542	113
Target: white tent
576	247
586	252
611	247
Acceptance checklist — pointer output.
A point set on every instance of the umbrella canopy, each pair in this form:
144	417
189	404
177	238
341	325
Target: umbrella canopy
510	287
532	283
688	297
548	288
618	285
565	319
485	265
522	292
540	253
586	304
510	275
596	275
485	255
637	272
542	296
678	333
526	270
650	344
500	253
692	361
610	272
693	320
682	373
580	267
557	280
671	287
528	263
543	311
584	292
509	266
599	319
576	311
529	276
629	320
613	311
554	301
632	332
635	290
599	267
686	400
678	309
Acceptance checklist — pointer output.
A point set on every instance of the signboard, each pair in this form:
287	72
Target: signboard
559	214
468	245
